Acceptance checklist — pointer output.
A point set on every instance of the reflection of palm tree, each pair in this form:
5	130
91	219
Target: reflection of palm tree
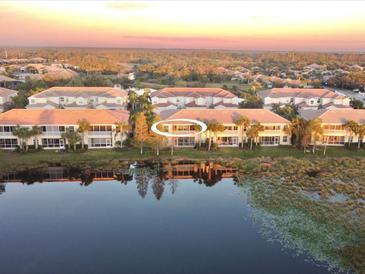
87	177
173	183
158	187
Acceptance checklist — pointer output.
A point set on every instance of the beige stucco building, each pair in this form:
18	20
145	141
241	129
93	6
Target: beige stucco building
333	123
54	122
79	98
194	98
304	98
274	132
5	97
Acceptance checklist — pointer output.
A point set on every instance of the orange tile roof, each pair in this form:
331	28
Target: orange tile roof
82	91
341	116
228	116
193	92
62	116
300	92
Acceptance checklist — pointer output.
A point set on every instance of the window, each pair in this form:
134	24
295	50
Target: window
228	140
230	128
184	141
62	99
272	127
269	140
52	129
334	140
7	128
8	143
285	139
311	102
101	128
100	142
183	128
52	142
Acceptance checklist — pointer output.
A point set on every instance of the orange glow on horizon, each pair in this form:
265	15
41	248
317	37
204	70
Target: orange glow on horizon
227	25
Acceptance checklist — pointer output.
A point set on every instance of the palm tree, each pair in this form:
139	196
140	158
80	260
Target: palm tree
121	128
213	127
243	123
36	131
361	134
253	133
84	127
23	133
72	138
297	128
352	127
133	98
315	131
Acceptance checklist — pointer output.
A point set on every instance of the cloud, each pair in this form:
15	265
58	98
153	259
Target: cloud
128	5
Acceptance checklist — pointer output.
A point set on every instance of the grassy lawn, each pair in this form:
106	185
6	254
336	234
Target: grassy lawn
12	160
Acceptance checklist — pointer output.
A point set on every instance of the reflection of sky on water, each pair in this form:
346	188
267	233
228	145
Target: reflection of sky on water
106	227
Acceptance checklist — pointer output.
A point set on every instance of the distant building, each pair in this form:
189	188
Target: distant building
5	97
7	82
193	98
79	98
304	98
54	122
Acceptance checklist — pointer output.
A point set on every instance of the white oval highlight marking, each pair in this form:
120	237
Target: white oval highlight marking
202	125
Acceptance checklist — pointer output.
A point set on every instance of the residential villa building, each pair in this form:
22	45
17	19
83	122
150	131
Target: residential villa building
79	98
54	122
7	82
193	98
274	132
333	123
5	97
304	98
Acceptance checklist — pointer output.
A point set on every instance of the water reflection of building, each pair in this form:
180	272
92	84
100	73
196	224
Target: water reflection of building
192	170
2	188
205	172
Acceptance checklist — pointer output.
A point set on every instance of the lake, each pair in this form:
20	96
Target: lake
148	218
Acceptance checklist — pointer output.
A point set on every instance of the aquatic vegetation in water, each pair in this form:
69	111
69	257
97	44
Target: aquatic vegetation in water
321	214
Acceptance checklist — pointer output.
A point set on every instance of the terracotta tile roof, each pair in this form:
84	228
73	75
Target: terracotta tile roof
62	116
299	93
7	92
108	92
228	116
336	116
193	92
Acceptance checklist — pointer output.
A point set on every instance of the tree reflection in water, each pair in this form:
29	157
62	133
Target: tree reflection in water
145	174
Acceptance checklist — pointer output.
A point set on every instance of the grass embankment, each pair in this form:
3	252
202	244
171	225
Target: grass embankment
12	160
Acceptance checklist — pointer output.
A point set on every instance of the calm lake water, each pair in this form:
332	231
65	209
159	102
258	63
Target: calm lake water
190	219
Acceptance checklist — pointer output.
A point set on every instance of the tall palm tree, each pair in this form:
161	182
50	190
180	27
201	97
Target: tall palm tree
36	132
121	128
84	127
243	123
133	98
72	138
352	127
253	133
360	134
297	128
315	131
23	133
213	127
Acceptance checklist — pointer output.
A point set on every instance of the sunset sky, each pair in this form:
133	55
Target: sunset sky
243	25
